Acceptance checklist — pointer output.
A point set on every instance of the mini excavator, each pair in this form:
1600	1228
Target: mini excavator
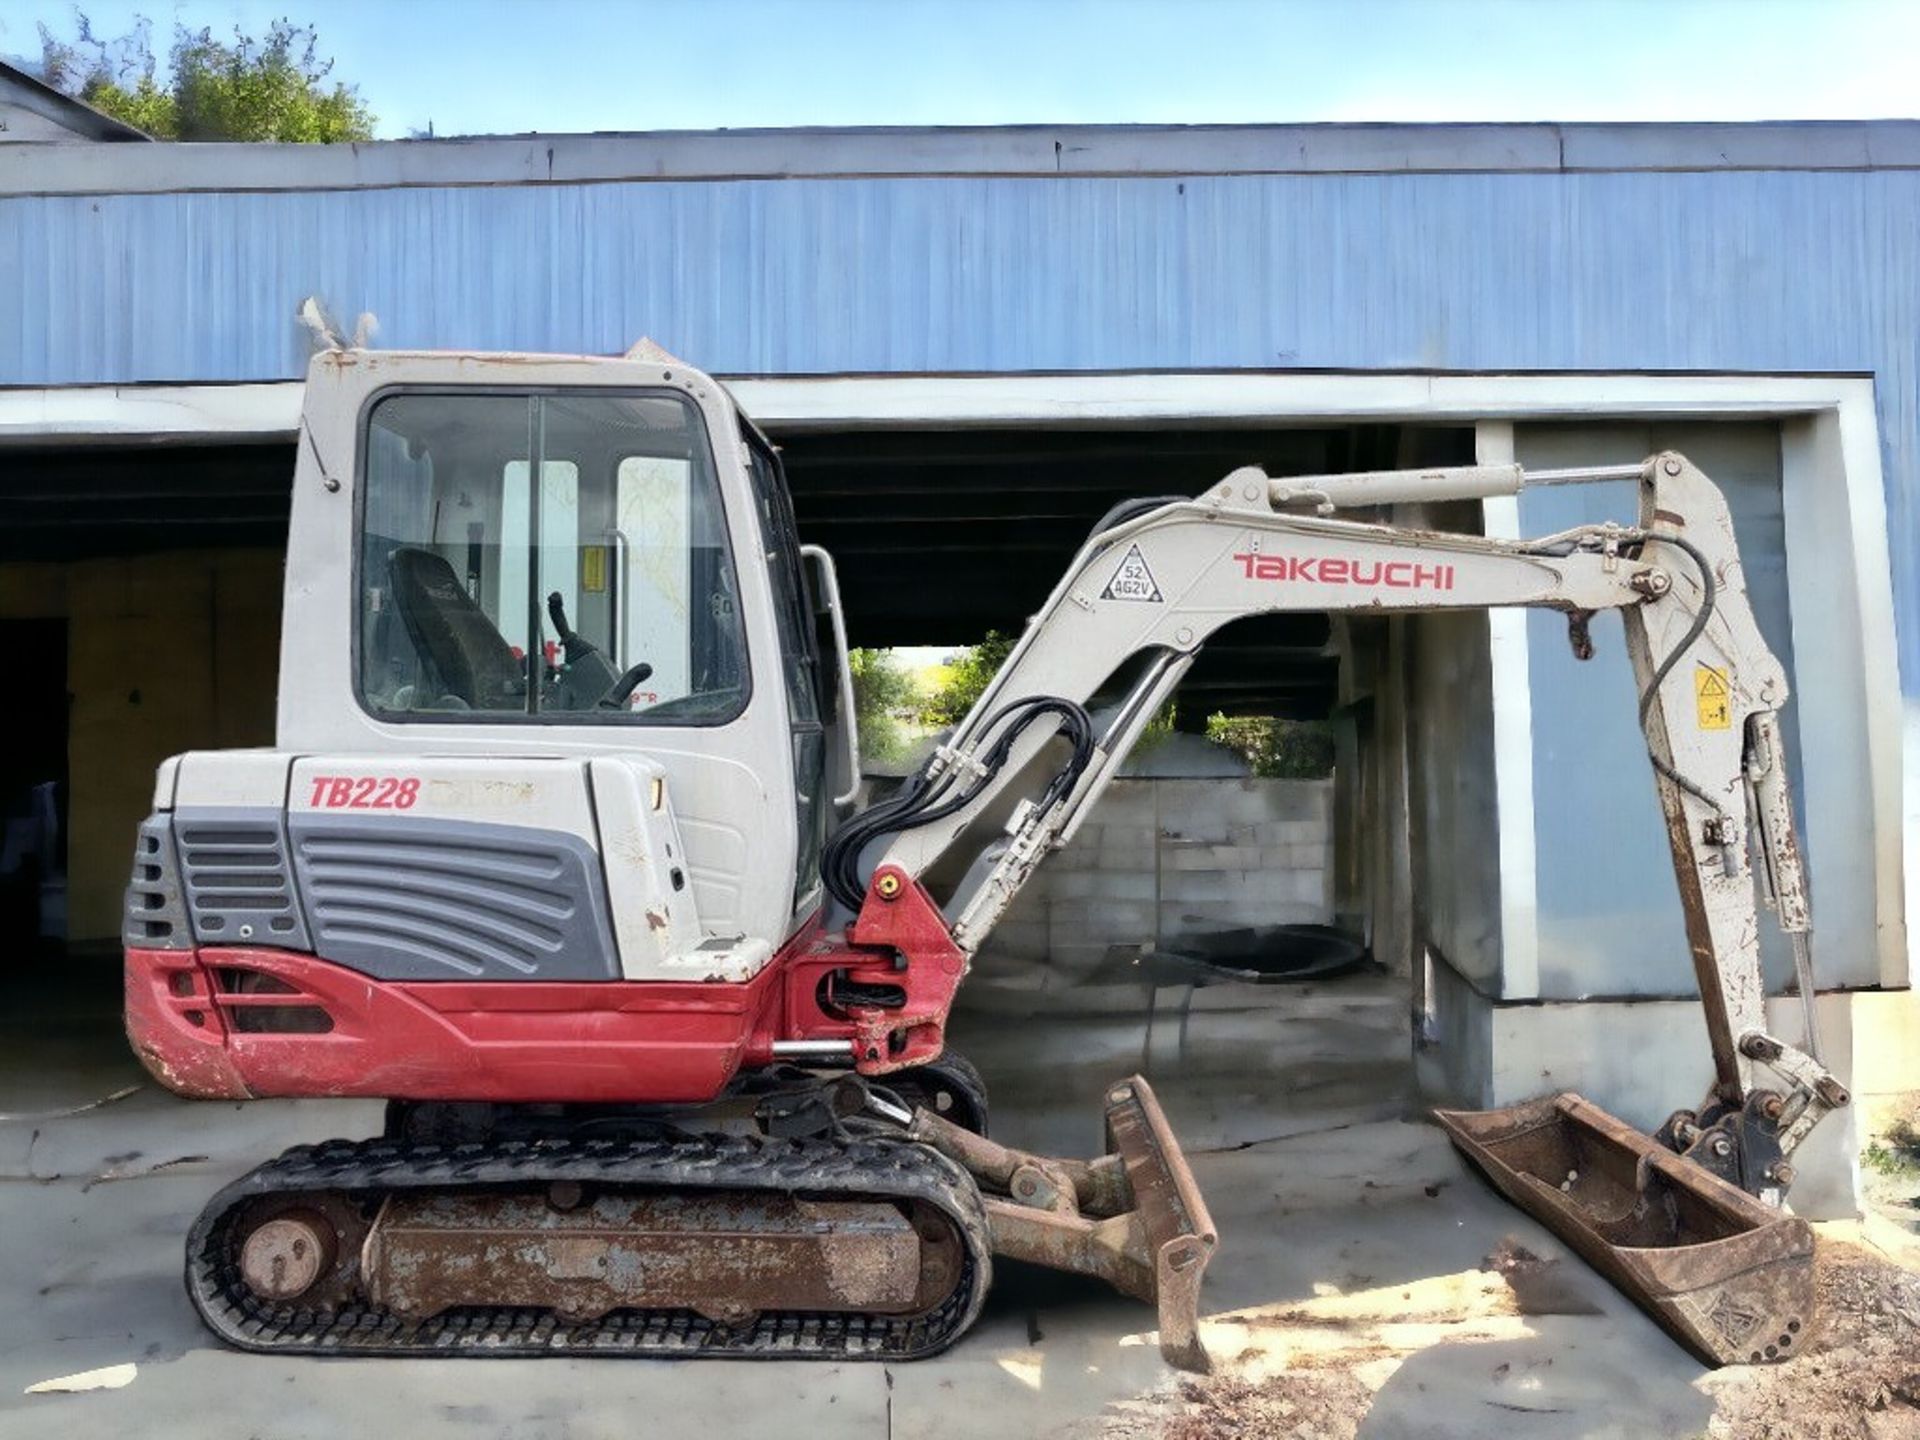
557	854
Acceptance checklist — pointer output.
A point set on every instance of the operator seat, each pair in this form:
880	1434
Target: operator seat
470	660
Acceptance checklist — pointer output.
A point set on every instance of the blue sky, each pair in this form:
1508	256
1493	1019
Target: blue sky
510	66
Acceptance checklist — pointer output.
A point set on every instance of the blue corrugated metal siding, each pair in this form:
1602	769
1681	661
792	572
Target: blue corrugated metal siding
1772	271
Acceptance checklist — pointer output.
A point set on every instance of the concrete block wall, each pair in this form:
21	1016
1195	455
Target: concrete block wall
1159	859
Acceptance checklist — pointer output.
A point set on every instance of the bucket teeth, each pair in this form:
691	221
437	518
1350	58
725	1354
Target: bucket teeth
1726	1275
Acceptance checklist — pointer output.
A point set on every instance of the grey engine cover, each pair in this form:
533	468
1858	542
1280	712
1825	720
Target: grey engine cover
400	899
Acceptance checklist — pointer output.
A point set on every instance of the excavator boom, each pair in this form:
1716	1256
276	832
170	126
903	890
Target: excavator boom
1689	1223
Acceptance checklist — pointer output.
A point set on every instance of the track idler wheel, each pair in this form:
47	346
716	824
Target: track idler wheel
285	1257
299	1249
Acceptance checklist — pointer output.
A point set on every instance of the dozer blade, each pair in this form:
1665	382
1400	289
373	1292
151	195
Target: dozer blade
1179	1230
1134	1218
1727	1276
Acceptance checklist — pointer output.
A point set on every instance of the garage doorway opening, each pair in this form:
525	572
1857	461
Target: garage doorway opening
33	790
1197	869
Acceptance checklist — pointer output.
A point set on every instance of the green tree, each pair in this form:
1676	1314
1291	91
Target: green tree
271	87
1276	749
967	679
882	688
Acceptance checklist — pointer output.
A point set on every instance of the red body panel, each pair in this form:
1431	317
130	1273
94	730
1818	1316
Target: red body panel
668	1042
658	1042
901	918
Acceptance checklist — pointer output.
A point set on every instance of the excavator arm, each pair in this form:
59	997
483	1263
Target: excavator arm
947	855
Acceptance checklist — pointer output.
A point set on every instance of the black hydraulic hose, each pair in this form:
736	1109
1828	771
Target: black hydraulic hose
923	800
922	803
1709	589
1133	508
997	757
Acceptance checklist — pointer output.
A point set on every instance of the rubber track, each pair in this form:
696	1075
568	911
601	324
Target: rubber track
860	1168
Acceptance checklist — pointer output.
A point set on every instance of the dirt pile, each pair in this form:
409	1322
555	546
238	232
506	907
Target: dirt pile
1860	1380
1301	1405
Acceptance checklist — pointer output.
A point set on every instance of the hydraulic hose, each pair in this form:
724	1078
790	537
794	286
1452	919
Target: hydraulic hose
1709	589
926	799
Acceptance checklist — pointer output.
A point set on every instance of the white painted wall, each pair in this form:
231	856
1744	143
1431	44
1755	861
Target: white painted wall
1609	920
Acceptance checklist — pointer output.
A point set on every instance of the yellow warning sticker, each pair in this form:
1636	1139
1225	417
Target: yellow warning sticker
593	568
1712	699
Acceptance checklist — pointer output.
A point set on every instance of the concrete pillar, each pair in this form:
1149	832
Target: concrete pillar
1349	822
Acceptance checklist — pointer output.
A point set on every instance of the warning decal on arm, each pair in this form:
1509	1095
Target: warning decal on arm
1133	580
1712	698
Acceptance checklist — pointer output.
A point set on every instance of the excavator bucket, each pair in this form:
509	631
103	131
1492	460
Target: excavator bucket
1134	1218
1727	1276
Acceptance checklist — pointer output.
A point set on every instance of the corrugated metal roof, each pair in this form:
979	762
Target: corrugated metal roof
1049	151
30	92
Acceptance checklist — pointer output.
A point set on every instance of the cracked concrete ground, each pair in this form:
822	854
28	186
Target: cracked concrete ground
1346	1222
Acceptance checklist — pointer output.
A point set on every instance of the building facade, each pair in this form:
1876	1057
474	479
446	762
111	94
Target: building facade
1335	296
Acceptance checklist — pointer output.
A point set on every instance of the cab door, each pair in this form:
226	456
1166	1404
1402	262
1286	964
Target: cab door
809	693
486	549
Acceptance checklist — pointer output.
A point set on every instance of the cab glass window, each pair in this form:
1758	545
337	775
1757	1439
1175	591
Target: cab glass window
560	557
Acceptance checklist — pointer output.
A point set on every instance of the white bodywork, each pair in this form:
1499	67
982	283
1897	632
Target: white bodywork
727	789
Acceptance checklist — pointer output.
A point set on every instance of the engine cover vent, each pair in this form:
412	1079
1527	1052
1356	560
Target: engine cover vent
425	899
238	884
155	917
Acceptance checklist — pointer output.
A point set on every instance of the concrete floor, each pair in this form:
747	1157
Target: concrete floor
1345	1221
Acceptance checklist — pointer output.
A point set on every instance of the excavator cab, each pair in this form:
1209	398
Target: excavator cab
603	562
